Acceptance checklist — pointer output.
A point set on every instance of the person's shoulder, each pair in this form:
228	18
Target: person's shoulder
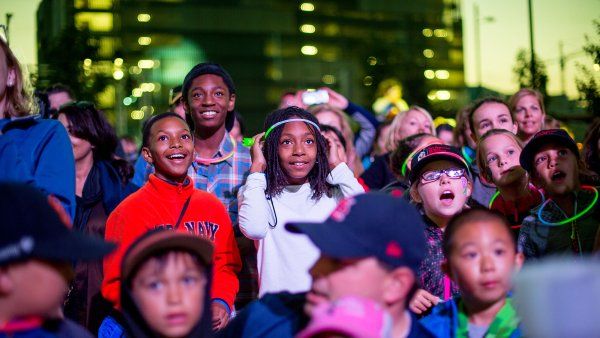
65	328
440	321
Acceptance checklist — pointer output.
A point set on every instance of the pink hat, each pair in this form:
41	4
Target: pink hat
353	316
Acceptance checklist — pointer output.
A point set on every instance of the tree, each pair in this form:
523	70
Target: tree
587	82
62	61
522	70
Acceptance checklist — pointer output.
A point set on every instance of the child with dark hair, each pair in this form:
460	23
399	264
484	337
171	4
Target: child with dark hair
400	161
36	251
481	258
498	154
170	201
165	286
567	221
296	174
101	183
441	186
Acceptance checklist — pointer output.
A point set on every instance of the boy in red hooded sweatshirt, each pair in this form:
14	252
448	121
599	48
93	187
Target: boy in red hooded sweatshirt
169	200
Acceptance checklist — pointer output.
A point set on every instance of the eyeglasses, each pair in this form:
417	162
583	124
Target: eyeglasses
434	175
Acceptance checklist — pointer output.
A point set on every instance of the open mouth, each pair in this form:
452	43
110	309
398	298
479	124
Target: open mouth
177	156
298	164
447	197
209	114
558	176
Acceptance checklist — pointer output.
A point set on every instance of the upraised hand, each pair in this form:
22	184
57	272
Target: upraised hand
259	164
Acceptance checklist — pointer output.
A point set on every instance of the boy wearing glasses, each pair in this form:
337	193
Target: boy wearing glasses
440	186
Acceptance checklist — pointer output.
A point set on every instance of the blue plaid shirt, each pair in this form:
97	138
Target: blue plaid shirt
223	179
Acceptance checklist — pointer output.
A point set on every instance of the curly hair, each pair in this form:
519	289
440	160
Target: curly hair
276	177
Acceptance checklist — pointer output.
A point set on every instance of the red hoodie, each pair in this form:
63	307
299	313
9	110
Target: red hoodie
158	204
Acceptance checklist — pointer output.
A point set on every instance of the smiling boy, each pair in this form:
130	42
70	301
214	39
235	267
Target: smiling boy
170	201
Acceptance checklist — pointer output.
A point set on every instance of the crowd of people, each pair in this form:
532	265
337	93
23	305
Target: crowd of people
331	222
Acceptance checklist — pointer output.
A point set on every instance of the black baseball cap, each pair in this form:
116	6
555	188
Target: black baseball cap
33	225
434	152
370	225
542	138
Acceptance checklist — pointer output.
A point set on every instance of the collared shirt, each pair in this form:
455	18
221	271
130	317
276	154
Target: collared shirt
222	179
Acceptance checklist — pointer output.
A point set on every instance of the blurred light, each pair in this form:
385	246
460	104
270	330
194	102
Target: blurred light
372	61
328	79
427	32
144	40
429	74
443	95
137	92
118	62
428	53
135	70
147	110
118	74
127	101
368	80
146	64
147	87
431	96
309	50
87	62
442	74
597	67
308	29
143	17
137	114
440	33
307	7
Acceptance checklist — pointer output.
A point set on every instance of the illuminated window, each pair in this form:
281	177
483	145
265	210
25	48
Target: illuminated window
442	74
372	61
96	22
118	74
428	53
427	32
147	64
309	50
307	7
440	33
143	17
144	40
308	29
328	79
137	115
93	4
429	74
106	47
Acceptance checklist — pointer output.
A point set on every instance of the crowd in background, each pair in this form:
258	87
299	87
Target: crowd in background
333	221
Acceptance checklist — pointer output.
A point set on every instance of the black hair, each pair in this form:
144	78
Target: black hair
276	178
480	103
90	124
151	121
474	214
337	132
444	127
60	88
203	69
405	146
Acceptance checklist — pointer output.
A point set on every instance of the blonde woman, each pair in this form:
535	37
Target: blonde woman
32	150
527	108
415	120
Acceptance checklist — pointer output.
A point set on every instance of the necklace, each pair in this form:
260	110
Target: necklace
497	193
577	214
209	161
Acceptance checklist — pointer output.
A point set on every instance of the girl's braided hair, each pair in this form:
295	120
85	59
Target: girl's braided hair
276	177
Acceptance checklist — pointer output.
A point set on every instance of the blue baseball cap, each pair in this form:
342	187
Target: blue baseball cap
370	225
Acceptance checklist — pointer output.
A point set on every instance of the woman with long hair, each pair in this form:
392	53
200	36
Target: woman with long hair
32	150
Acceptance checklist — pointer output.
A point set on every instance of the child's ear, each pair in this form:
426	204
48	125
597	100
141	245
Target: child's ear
519	259
414	194
397	285
231	103
6	283
147	155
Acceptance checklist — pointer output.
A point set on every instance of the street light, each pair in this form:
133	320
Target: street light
478	20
